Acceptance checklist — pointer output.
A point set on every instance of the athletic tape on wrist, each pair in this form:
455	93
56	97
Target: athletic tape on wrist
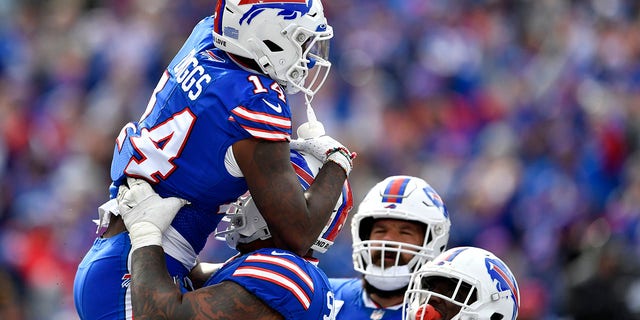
144	234
342	157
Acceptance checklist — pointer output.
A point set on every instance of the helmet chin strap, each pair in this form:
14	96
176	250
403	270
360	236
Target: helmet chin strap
387	279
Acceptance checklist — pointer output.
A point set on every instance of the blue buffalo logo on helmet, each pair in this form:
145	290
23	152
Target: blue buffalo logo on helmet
436	200
503	280
289	9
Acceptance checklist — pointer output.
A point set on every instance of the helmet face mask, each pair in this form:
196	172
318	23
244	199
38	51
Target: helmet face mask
472	281
453	293
403	198
287	39
243	223
369	252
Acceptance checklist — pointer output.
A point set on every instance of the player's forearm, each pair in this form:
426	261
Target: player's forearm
154	295
322	195
295	221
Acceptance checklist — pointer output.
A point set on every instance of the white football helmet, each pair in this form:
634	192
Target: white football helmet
403	198
481	285
285	38
243	223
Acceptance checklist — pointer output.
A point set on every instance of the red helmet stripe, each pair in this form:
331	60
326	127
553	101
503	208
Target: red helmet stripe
217	20
395	190
507	279
242	2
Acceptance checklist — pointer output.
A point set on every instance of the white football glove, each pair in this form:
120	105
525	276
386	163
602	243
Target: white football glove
325	149
145	214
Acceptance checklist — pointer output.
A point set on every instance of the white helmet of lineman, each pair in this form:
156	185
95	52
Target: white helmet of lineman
285	38
481	285
243	223
403	198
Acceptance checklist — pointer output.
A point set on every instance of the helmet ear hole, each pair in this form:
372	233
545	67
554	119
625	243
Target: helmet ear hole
272	46
496	316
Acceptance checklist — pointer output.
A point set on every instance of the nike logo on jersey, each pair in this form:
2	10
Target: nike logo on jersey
276	253
276	108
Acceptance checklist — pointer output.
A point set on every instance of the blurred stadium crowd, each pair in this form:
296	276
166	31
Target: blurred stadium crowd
524	115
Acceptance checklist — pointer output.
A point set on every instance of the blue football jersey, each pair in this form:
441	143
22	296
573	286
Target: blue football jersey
291	285
203	103
355	305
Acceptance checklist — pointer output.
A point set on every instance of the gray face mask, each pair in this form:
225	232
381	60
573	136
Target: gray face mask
388	279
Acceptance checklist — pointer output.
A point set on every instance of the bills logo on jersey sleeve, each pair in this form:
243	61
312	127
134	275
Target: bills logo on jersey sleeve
212	56
126	280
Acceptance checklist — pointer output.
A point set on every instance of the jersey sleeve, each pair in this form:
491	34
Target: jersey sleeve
276	278
264	116
285	282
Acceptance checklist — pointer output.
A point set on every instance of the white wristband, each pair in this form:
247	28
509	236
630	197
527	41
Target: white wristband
144	234
342	158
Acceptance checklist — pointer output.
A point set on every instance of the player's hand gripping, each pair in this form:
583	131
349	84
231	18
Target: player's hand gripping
326	149
145	214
